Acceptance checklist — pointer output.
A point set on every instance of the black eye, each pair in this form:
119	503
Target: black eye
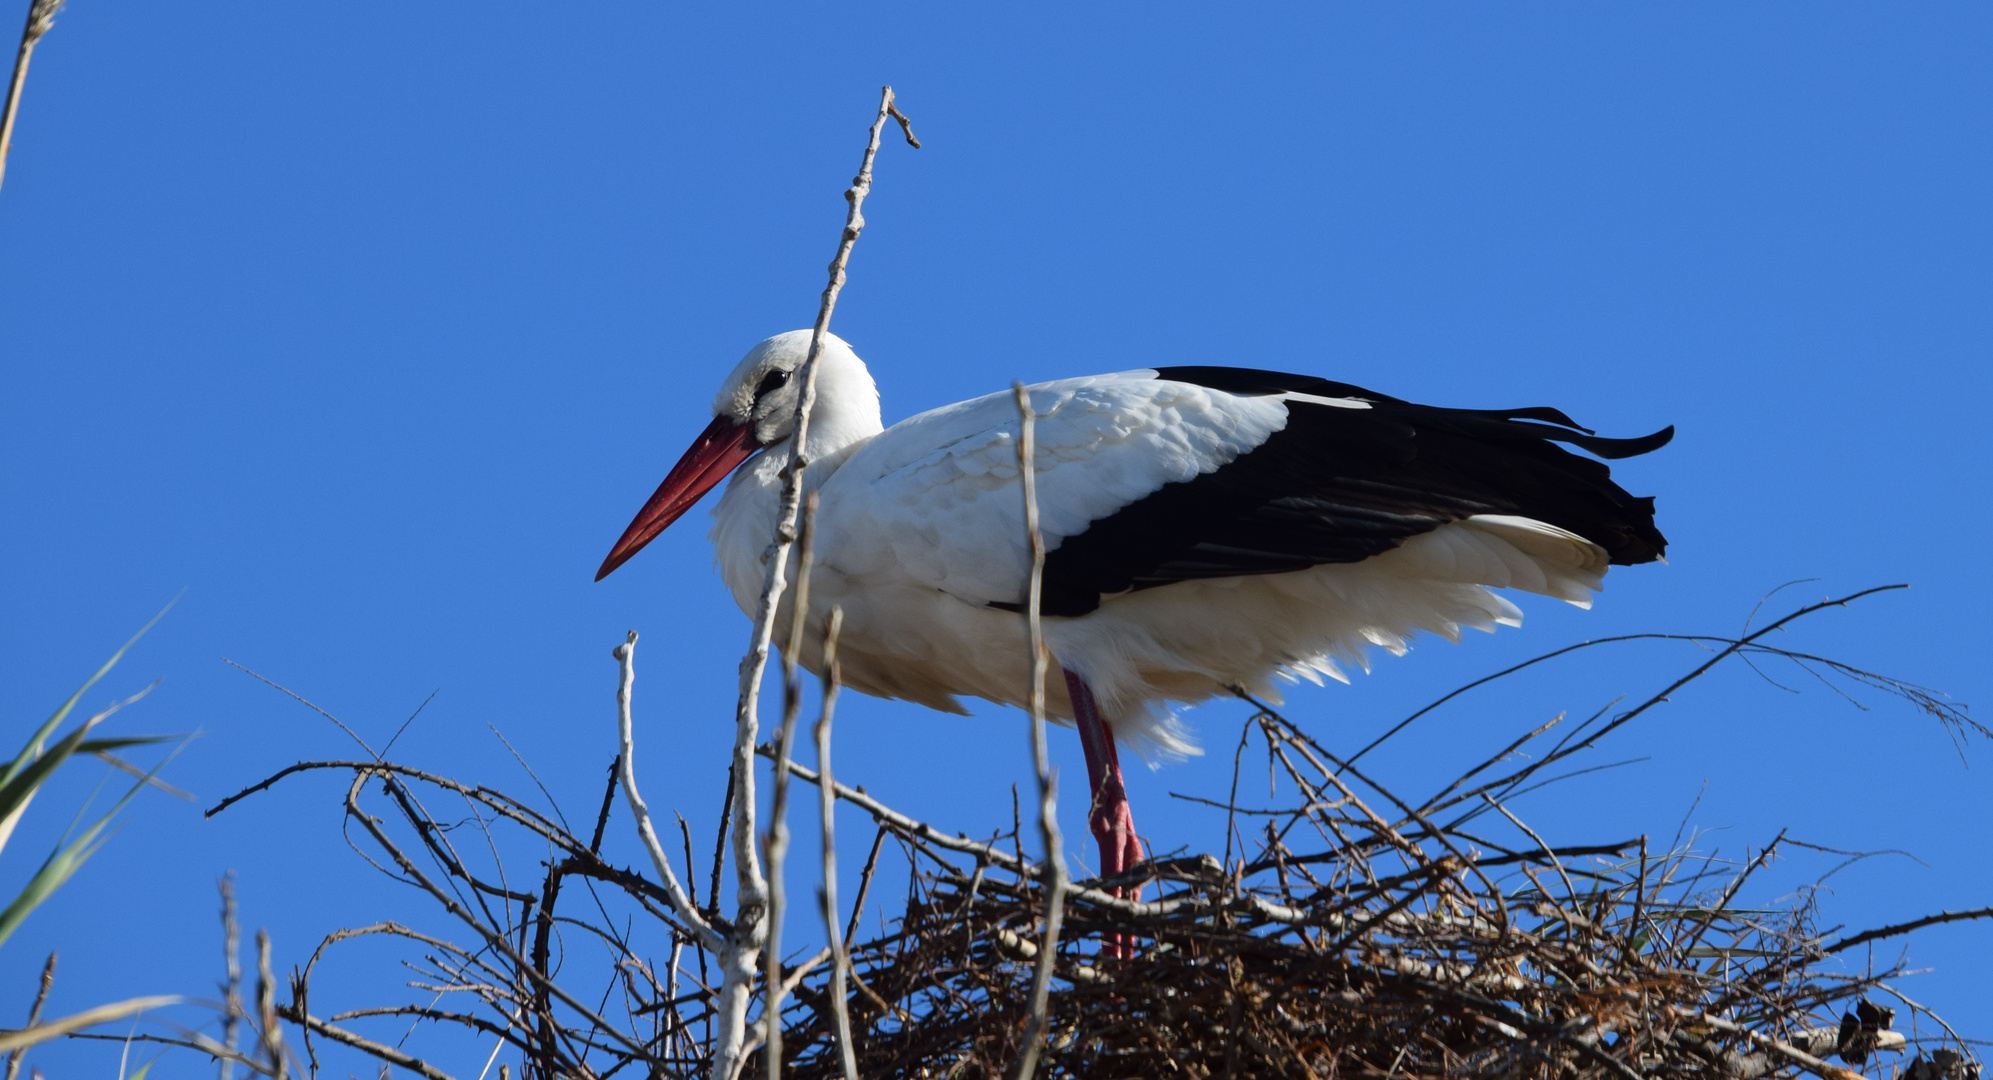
774	380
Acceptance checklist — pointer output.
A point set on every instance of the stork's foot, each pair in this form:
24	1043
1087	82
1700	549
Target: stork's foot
1113	826
1108	818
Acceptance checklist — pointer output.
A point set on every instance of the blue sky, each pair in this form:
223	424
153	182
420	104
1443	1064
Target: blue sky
371	332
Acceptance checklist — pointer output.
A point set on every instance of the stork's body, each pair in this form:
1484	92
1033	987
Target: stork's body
1206	528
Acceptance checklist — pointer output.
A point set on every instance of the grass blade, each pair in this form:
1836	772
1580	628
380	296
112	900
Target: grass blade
102	1014
66	860
33	749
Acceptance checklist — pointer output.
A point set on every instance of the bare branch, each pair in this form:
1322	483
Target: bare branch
385	1053
778	809
231	945
737	962
266	1009
827	814
1048	802
34	1016
681	905
1879	933
41	17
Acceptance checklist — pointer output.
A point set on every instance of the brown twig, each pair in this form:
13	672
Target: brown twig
367	1046
493	939
34	1015
1881	932
906	125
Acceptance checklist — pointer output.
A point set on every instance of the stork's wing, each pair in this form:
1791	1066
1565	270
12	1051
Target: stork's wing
1151	477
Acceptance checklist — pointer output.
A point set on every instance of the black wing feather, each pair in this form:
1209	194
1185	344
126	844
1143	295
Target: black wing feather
1340	485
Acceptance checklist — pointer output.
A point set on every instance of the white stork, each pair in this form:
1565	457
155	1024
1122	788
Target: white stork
1207	527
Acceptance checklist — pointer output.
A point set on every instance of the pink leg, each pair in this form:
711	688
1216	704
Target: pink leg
1109	818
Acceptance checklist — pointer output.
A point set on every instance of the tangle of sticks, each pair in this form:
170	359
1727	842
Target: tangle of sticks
1354	931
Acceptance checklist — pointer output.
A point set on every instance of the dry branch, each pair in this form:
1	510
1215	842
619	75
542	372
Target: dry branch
840	958
41	17
750	929
1048	801
34	1015
777	842
626	657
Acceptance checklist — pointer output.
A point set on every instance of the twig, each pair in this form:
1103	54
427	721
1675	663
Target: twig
827	814
906	125
231	944
34	1016
266	1008
602	820
194	1041
777	843
41	18
864	877
1570	890
495	940
626	655
751	923
1881	932
908	826
302	700
1918	1008
1731	890
1048	805
719	846
151	781
1785	1050
398	732
365	1045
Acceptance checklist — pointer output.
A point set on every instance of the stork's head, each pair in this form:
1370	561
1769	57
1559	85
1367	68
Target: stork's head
756	408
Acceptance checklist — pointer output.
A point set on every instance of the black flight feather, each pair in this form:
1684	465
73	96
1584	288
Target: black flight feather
1339	485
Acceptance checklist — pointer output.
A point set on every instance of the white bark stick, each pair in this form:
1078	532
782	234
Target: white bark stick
1790	1053
1048	803
681	905
827	811
750	930
778	808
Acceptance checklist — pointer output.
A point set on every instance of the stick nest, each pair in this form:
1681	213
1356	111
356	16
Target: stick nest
1396	943
1352	933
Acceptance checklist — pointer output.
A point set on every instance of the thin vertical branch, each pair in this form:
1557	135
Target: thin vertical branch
840	957
777	842
266	1008
865	878
231	944
719	846
602	817
41	17
737	962
34	1016
1048	805
626	655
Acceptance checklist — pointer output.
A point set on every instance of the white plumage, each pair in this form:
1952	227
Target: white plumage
920	530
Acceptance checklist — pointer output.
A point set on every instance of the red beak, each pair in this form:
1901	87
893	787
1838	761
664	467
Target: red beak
716	452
